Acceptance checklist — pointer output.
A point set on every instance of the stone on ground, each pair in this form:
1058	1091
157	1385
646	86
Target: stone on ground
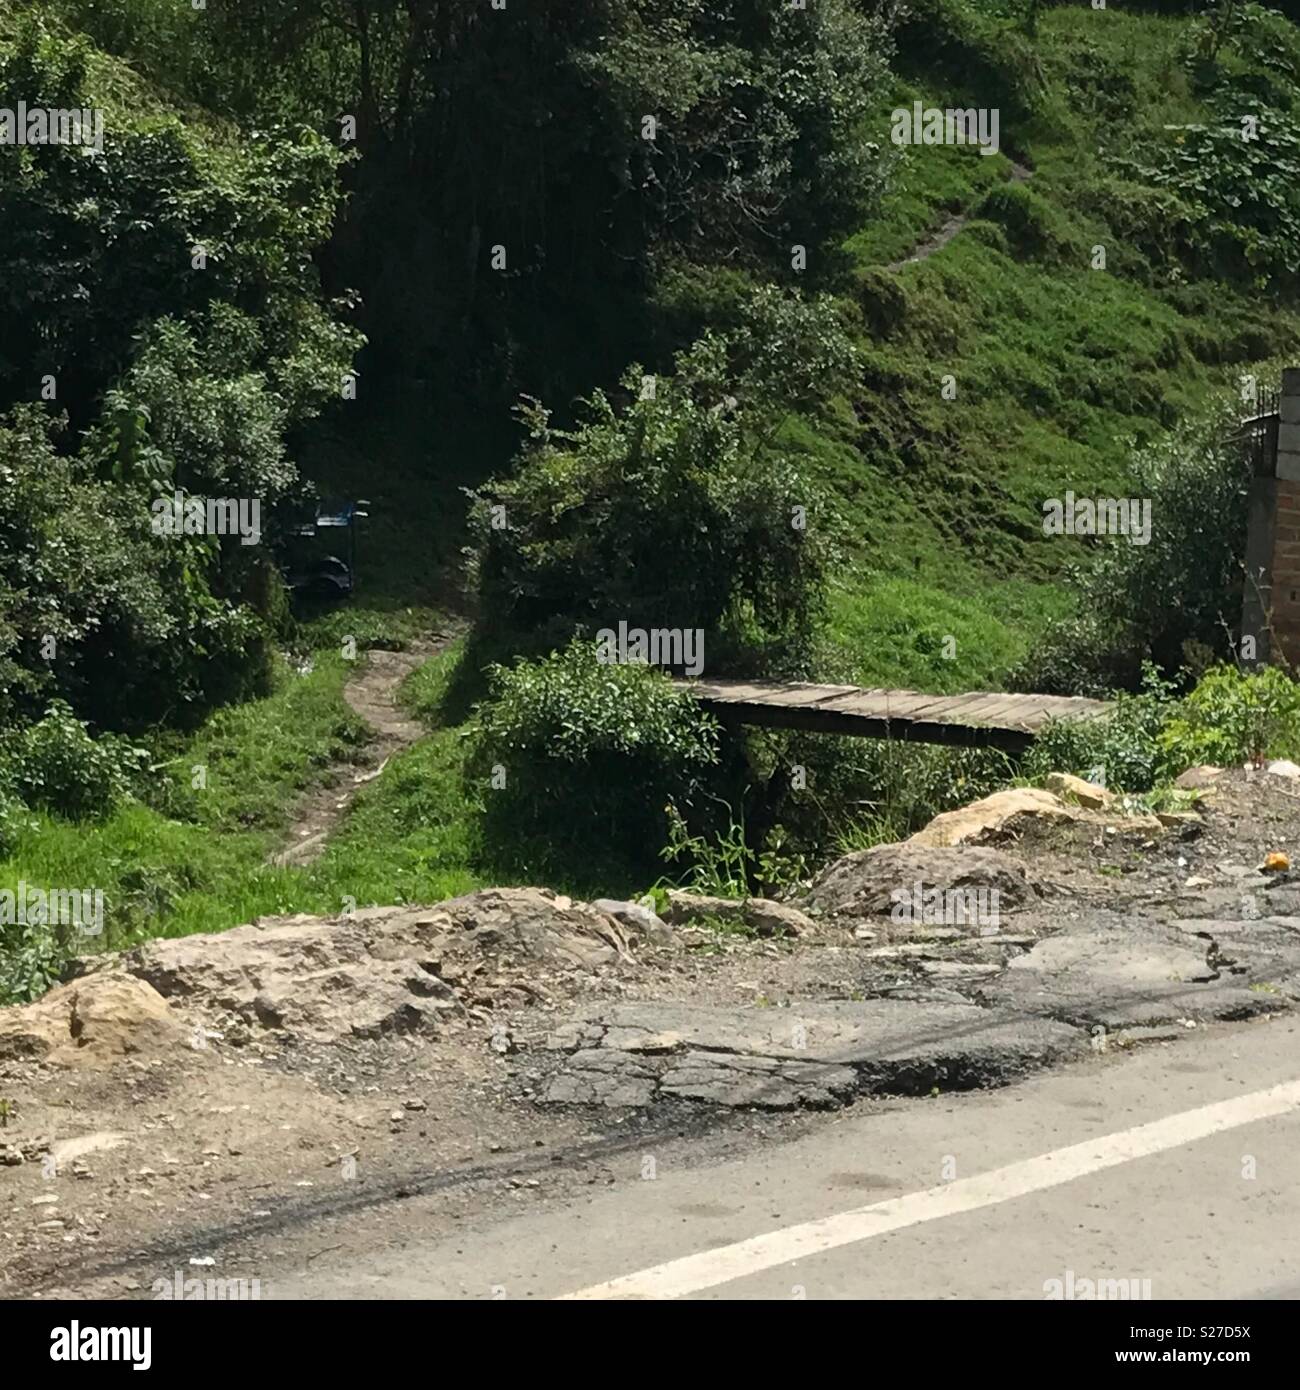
91	1022
762	916
862	884
1071	788
1198	778
377	970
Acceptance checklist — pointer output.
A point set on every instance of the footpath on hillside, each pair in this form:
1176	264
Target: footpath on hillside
927	247
371	693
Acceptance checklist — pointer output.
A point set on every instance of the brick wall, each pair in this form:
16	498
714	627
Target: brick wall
1271	603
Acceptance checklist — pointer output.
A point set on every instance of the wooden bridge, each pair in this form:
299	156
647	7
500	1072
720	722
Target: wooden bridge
1008	722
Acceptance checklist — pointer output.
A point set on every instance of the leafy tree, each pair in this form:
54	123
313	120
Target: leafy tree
672	505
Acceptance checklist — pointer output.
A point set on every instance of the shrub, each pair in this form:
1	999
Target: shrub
586	758
12	816
32	959
1122	750
1234	716
1230	717
1140	603
676	508
60	768
1034	228
856	792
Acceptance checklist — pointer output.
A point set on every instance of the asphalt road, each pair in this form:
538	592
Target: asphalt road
1175	1164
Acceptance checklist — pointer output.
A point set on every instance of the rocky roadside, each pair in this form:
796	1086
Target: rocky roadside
204	1085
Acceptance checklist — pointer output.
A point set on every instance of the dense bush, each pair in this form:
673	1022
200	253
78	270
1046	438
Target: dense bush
99	245
1121	750
1157	602
524	129
1232	717
570	753
673	507
32	958
58	766
160	299
97	610
825	794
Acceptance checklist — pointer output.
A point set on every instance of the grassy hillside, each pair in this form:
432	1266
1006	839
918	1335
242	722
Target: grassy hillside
1061	370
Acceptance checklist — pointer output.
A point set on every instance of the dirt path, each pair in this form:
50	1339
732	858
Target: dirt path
371	693
1019	174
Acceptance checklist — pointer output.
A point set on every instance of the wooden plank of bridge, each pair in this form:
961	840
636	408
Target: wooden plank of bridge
988	718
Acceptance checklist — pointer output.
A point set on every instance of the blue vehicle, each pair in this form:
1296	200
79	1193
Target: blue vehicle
323	551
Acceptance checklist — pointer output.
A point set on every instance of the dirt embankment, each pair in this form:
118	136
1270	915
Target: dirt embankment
172	1099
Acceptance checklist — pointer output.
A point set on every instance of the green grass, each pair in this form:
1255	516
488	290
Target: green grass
407	839
1061	370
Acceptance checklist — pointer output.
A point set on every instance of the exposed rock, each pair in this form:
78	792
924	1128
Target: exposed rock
1283	767
534	924
992	816
306	976
638	918
957	969
1123	975
1198	778
90	1022
602	1078
761	915
862	884
378	970
766	1082
1071	788
1006	813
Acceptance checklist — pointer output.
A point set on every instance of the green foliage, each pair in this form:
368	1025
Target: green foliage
724	864
1034	228
673	508
1122	750
591	754
58	767
1230	717
100	244
1153	602
162	288
1233	717
32	959
1240	195
89	591
975	51
13	814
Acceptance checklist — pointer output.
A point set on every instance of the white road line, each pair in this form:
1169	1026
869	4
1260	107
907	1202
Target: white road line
719	1266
